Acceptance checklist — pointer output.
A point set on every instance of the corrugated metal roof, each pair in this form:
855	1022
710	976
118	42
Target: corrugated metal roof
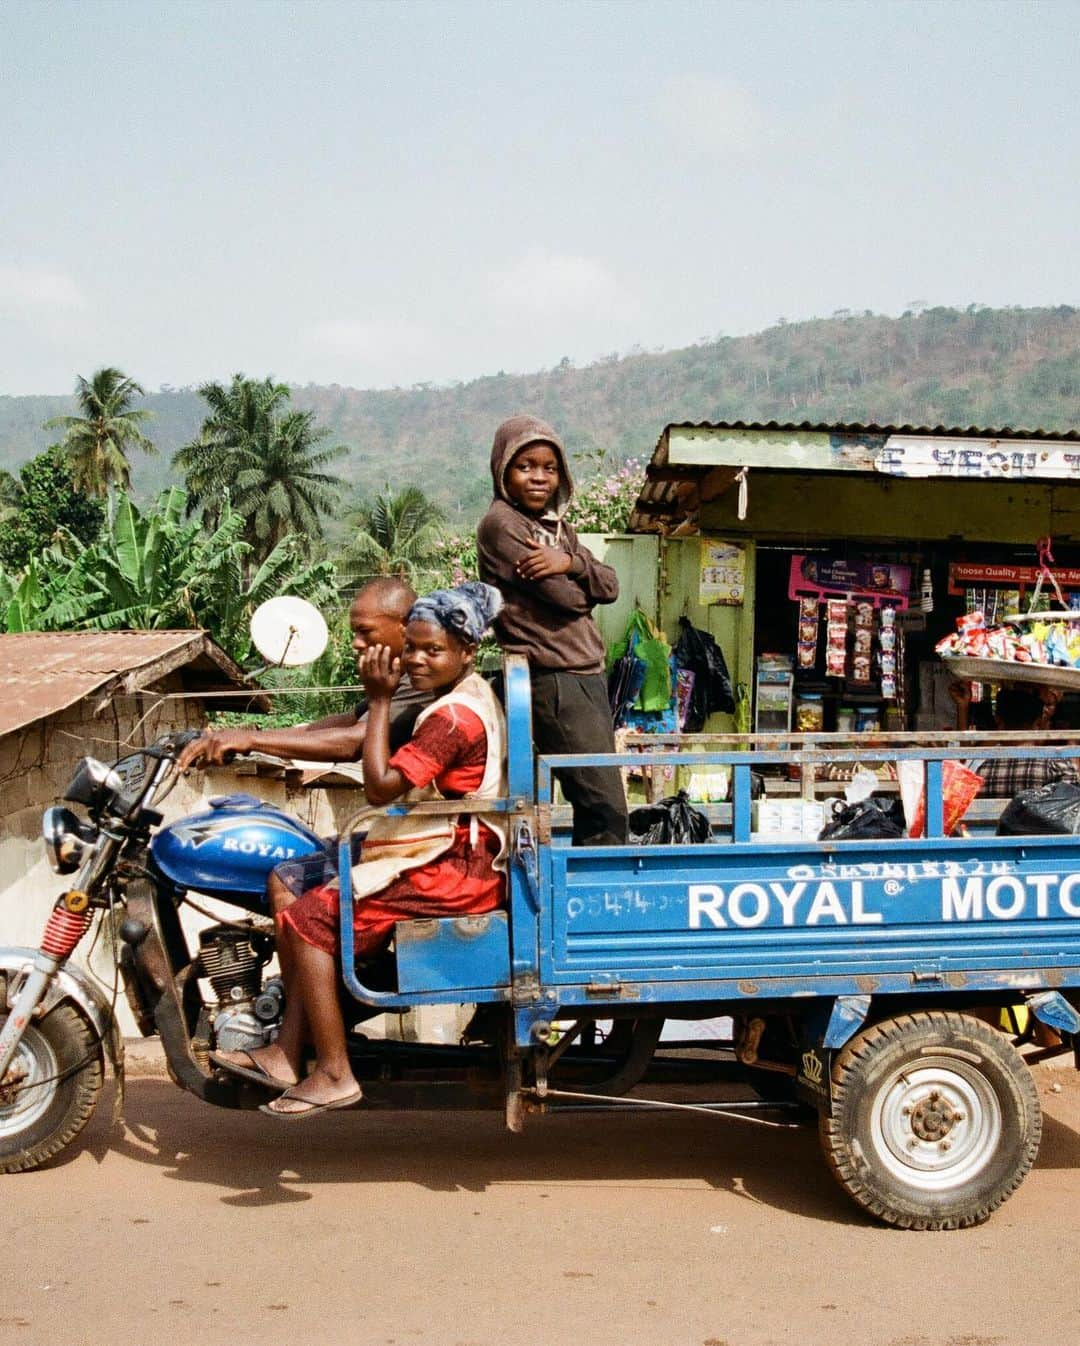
43	672
670	493
857	428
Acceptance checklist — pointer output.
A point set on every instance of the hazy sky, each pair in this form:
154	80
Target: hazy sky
384	193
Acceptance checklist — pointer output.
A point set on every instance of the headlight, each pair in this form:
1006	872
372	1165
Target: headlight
67	838
93	784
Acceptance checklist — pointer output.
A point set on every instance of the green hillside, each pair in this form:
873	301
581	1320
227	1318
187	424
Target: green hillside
988	367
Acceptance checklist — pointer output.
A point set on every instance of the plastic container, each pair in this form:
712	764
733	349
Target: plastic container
810	713
867	720
845	720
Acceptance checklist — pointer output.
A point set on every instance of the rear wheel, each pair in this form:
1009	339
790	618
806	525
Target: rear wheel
609	1059
935	1120
50	1089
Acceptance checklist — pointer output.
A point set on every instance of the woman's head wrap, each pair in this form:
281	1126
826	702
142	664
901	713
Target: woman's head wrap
465	611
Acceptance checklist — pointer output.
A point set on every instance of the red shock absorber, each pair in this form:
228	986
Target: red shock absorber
63	930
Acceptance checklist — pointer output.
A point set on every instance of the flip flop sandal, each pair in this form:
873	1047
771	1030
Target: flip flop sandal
255	1073
309	1109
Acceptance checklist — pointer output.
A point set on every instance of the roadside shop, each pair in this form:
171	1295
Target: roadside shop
828	560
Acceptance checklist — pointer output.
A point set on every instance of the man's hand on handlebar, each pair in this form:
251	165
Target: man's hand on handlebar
214	748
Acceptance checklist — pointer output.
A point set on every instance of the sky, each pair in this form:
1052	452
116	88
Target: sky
383	194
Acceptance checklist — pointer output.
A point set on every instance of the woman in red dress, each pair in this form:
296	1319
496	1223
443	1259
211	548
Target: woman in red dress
408	867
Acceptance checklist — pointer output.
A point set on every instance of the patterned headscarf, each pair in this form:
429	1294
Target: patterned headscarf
465	611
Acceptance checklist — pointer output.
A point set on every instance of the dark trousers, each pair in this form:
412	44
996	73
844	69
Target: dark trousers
571	714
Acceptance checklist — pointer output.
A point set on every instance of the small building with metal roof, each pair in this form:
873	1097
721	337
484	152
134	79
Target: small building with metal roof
729	511
71	694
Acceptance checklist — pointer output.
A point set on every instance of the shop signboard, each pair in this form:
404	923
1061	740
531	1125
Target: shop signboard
722	572
977	459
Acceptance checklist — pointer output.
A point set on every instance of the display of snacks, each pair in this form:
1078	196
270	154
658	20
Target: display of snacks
808	633
836	633
1039	647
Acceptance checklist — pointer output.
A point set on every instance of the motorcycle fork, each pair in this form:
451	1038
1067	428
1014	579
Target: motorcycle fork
68	921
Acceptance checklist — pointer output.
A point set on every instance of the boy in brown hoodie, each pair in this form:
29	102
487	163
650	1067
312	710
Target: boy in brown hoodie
550	583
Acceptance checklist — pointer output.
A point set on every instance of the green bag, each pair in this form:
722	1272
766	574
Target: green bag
647	643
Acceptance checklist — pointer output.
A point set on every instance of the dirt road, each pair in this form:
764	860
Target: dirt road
202	1226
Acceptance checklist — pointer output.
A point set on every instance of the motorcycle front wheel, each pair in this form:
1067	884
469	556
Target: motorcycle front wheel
50	1090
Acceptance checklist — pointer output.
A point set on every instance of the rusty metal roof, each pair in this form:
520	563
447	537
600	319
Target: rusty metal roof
43	672
856	428
670	493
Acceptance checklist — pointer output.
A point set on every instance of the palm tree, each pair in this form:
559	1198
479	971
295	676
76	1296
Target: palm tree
399	534
265	459
238	423
283	490
97	442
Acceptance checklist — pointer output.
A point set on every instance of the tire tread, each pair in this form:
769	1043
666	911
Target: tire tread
86	1084
837	1149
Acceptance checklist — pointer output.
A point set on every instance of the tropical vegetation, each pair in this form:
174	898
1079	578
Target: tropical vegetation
98	440
1000	367
156	570
45	505
399	533
261	511
266	459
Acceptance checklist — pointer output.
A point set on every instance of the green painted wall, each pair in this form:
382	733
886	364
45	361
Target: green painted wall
662	579
731	627
636	561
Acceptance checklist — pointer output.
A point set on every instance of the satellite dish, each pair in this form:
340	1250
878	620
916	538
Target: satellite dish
288	631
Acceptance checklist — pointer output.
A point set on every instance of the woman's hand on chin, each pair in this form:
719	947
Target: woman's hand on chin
380	672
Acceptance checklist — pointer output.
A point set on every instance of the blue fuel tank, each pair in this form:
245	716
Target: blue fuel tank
229	851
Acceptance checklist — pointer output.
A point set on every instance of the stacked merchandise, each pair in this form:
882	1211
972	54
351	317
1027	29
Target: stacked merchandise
808	632
863	657
836	632
887	641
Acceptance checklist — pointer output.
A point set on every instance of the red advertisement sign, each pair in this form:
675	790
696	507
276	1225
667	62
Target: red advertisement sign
963	574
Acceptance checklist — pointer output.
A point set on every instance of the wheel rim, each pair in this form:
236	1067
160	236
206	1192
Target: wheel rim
936	1125
24	1097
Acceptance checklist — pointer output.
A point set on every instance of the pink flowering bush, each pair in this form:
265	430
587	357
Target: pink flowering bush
605	498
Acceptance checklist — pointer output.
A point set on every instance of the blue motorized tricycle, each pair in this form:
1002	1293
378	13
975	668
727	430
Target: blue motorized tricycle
862	979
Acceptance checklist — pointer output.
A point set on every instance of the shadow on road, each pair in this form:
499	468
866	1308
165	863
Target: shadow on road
1060	1146
256	1161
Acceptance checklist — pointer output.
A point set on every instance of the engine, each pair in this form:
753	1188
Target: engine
248	1012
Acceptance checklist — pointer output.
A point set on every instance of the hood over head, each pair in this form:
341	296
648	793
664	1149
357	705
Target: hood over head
513	436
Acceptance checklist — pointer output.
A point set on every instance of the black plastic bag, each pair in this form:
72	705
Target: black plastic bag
671	821
1047	810
698	651
869	820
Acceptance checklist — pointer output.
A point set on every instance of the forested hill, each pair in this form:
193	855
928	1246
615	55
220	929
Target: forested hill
980	366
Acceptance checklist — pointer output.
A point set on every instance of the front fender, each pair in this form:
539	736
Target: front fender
71	983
